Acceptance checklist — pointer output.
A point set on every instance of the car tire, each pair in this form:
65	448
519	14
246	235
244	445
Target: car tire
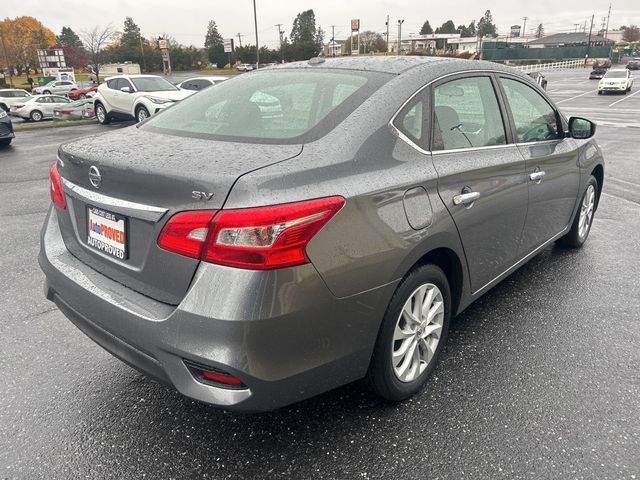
101	114
46	92
579	232
400	332
4	107
5	142
599	92
35	116
141	114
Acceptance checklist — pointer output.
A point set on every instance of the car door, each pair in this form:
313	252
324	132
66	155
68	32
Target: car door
123	101
482	179
45	105
56	102
551	162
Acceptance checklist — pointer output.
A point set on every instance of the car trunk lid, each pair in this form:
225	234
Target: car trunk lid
132	181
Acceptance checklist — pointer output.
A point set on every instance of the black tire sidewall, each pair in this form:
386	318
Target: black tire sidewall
573	239
138	114
381	375
105	118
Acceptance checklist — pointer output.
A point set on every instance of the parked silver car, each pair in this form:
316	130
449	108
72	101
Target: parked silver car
38	107
79	110
12	96
252	260
58	87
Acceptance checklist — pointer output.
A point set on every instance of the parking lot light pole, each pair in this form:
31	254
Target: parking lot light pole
255	21
6	59
400	22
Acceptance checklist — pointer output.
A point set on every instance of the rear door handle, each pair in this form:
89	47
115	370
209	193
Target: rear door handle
537	176
466	198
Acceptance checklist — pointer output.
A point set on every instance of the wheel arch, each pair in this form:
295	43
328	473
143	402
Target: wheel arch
450	263
598	173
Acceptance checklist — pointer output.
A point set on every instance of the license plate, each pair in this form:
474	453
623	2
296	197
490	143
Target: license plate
107	232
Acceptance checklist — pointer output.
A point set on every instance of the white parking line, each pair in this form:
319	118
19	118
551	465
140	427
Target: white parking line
582	94
627	96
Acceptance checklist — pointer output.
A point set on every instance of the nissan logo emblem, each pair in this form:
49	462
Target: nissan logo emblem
94	176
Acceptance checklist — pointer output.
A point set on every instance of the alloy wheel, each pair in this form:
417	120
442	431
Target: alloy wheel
100	113
586	211
417	332
142	114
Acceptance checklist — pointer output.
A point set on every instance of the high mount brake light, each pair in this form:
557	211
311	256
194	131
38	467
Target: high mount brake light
55	186
261	238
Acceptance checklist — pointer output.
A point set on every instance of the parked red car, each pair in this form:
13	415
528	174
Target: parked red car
81	93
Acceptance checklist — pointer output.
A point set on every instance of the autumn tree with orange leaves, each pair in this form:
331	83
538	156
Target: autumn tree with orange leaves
22	36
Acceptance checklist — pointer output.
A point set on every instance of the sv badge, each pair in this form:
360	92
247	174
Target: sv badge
201	195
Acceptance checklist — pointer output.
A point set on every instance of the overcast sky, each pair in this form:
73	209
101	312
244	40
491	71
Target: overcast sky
187	20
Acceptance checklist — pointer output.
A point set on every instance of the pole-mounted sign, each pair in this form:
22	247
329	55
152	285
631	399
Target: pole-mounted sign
355	36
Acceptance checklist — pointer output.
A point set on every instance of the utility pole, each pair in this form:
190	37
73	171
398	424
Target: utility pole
576	25
255	22
6	59
589	42
606	29
333	40
400	22
387	39
144	62
240	39
524	27
280	32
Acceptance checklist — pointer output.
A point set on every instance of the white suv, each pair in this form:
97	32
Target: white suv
135	97
56	87
12	96
616	80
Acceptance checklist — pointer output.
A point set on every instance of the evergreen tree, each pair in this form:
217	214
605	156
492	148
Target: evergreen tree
473	31
426	28
306	40
447	27
69	38
539	31
486	27
214	45
130	35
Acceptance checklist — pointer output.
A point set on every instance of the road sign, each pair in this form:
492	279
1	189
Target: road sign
228	45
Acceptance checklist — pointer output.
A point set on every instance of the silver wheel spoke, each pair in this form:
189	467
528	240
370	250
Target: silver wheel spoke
400	334
408	314
437	308
433	329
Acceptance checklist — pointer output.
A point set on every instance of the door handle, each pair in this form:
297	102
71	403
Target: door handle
537	176
466	198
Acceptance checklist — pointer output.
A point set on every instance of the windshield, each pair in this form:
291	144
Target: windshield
616	74
270	107
13	94
152	84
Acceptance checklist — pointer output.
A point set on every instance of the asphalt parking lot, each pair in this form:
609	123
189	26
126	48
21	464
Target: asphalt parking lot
540	378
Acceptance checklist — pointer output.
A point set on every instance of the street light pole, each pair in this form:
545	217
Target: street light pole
255	21
144	62
387	39
589	42
280	32
400	22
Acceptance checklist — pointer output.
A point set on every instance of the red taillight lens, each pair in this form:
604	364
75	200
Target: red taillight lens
186	232
221	378
19	105
66	110
55	186
261	238
271	237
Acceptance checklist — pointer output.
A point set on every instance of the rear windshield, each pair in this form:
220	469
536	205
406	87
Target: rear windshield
286	106
152	84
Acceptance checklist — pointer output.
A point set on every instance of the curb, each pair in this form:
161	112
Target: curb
52	124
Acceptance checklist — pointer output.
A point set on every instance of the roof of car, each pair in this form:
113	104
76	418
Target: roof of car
206	77
131	75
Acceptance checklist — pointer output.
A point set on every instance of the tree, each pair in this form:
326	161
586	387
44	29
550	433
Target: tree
447	27
426	28
96	40
539	31
473	31
130	38
214	45
69	38
486	27
23	36
306	40
630	33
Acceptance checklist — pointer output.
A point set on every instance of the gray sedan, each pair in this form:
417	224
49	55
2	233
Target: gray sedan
59	87
253	259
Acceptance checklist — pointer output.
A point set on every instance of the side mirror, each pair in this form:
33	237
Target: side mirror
126	89
581	128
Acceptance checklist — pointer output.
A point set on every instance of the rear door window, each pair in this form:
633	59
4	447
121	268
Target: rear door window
534	118
467	115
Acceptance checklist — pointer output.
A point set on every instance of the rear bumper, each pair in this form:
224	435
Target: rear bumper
281	332
6	129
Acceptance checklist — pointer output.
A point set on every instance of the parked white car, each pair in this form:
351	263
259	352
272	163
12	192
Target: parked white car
244	67
38	107
136	97
616	80
58	87
11	96
199	83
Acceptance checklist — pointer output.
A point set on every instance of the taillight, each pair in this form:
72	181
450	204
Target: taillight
55	186
66	110
186	232
261	238
19	105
